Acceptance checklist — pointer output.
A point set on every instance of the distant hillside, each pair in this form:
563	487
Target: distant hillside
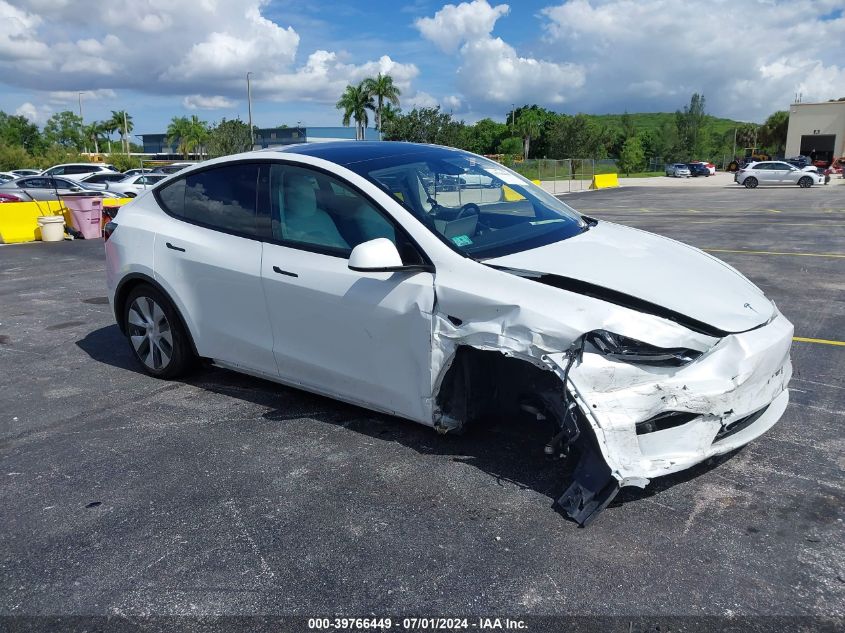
654	120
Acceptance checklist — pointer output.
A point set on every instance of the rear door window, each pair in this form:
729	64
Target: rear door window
222	198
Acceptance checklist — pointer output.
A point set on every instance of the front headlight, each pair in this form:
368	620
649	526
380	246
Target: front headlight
636	352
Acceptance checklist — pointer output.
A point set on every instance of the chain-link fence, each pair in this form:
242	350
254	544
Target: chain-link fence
563	176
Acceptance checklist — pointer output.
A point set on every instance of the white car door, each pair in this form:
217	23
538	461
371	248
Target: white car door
364	337
208	254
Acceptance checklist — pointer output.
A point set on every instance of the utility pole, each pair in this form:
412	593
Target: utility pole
82	124
734	154
125	135
513	116
249	107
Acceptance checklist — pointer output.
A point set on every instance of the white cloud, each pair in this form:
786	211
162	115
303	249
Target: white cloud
35	114
72	96
188	49
452	102
324	76
419	100
202	102
491	72
453	25
748	58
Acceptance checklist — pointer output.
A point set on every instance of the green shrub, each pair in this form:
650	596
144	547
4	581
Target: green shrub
122	162
14	157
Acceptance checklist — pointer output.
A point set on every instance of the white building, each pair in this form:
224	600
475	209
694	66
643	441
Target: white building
816	130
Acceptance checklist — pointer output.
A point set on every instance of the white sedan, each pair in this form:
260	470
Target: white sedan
132	186
345	269
772	172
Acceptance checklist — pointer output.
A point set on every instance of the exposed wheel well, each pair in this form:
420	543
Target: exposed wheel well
483	384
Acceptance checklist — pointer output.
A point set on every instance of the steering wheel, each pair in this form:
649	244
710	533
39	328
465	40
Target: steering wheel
470	207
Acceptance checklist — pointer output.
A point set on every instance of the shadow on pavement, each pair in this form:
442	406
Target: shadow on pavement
509	450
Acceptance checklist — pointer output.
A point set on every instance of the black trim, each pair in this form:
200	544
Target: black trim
313	248
276	269
174	248
621	299
420	268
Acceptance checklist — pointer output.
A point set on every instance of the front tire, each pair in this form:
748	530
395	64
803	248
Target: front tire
805	182
751	182
156	333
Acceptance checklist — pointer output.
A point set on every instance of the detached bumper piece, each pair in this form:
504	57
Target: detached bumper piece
592	489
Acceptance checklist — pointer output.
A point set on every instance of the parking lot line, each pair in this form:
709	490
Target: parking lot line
820	341
746	252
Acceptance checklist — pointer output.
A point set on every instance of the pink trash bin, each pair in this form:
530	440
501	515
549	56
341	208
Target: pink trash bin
85	214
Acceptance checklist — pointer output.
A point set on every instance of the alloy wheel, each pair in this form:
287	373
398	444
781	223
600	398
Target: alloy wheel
150	333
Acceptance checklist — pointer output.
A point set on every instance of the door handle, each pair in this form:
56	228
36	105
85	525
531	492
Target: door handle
175	248
276	269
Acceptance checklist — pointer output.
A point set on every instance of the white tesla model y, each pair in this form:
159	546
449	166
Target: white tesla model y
436	285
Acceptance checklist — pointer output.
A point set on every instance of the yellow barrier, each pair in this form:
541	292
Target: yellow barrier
512	196
19	220
603	181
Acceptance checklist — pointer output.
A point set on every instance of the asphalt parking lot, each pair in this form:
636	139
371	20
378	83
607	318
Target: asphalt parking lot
224	494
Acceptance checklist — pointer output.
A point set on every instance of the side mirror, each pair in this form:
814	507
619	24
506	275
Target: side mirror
76	188
375	256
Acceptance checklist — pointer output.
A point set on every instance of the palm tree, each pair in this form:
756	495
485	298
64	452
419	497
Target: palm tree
354	102
528	124
93	132
197	134
179	134
121	121
383	89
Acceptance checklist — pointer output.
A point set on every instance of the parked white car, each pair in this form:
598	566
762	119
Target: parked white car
678	170
134	185
342	269
773	172
78	171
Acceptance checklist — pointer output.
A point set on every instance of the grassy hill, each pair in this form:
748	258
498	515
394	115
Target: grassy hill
652	121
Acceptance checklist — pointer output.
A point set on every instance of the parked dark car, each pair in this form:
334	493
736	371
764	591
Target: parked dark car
698	169
799	161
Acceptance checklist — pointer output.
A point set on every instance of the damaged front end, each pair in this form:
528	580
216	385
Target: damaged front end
632	396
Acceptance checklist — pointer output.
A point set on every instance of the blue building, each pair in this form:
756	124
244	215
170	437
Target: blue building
156	144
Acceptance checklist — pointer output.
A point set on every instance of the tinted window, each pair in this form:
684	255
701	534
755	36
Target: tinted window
35	183
313	209
79	169
55	171
222	198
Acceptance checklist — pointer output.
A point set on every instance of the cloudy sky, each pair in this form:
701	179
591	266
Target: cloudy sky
161	58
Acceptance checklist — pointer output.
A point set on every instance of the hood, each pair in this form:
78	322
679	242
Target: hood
656	270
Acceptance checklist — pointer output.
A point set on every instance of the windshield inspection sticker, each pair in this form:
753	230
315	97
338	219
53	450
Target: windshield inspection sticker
505	176
462	240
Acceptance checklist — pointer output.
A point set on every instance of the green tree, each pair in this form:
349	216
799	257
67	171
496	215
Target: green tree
773	132
690	127
511	146
197	134
426	125
484	137
355	101
94	132
179	133
578	137
65	129
529	123
13	157
116	124
633	156
229	137
628	127
16	130
383	90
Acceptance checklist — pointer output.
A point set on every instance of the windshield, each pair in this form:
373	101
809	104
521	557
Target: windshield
474	204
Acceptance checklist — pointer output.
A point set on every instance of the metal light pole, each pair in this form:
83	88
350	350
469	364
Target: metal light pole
249	106
734	154
513	116
82	124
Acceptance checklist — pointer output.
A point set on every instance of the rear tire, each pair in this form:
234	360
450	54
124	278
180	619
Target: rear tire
805	182
156	334
750	182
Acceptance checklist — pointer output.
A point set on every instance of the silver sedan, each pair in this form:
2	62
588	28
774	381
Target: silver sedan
134	185
47	188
